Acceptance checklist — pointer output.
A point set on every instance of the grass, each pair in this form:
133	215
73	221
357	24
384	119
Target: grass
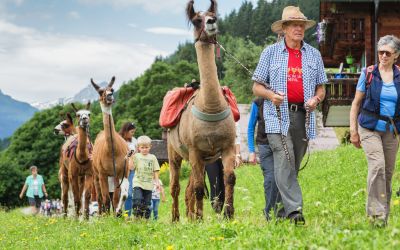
333	186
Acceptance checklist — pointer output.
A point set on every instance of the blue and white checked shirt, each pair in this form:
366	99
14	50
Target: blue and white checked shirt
272	69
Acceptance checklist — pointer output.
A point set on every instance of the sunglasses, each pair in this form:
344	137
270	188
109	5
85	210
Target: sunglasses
383	52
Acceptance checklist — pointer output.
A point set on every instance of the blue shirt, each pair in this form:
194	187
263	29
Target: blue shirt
272	69
388	99
251	127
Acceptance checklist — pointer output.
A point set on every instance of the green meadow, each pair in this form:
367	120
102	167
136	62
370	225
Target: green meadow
333	184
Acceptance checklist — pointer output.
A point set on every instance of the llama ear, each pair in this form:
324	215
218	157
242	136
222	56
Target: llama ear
73	106
88	105
190	13
96	87
69	117
213	7
111	82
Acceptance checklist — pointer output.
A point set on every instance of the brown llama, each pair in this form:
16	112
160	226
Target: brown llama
109	152
206	130
80	172
68	130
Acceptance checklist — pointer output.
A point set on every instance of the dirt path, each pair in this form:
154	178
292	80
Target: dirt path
326	137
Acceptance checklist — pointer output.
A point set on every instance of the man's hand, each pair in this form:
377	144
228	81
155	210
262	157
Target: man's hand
312	103
277	99
252	158
355	139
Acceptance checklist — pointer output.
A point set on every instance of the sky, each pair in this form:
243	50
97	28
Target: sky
51	48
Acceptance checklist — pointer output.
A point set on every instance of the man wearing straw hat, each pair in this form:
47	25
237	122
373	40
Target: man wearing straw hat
289	76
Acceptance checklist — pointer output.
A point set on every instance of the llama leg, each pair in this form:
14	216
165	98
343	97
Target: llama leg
116	196
98	193
73	179
104	192
65	188
174	165
228	160
197	176
88	193
190	199
81	191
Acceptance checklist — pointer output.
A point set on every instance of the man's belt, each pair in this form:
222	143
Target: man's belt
294	107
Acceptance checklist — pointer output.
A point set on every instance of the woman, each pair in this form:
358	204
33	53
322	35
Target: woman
36	189
378	110
127	132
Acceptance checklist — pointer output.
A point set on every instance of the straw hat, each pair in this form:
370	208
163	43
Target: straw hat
291	13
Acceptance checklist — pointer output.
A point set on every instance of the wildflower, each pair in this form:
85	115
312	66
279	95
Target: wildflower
170	247
84	234
396	202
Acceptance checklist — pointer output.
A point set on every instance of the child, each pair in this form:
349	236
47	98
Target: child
146	168
155	197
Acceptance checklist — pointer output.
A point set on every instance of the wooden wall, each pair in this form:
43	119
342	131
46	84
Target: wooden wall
345	35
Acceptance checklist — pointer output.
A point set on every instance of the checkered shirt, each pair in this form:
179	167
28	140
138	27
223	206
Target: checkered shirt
272	69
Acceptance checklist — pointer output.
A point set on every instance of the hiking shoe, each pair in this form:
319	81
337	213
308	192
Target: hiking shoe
297	218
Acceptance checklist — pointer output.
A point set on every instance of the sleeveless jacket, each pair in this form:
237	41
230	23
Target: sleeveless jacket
261	137
370	112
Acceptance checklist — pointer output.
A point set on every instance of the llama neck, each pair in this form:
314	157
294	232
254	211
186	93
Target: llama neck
209	99
82	141
108	123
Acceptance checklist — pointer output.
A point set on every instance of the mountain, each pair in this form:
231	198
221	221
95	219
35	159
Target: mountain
13	114
83	96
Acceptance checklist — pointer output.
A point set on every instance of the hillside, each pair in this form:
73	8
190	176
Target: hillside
333	186
13	114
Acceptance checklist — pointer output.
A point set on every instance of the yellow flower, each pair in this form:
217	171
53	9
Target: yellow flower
396	202
220	238
170	247
84	234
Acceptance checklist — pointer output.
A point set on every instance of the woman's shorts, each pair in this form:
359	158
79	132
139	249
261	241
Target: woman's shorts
35	201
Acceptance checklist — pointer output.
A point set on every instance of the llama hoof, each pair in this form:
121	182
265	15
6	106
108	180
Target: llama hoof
228	213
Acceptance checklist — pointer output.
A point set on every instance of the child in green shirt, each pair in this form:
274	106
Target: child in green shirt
146	168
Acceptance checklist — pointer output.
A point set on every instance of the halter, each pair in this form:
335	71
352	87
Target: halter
203	27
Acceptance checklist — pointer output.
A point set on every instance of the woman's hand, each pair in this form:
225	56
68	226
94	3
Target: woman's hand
252	158
238	160
21	195
355	139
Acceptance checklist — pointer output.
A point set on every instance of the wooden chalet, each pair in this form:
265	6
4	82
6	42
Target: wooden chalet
353	28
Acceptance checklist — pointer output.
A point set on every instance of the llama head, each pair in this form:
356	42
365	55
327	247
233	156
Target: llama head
205	23
83	115
106	94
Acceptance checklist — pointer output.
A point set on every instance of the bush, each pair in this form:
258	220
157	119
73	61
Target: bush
164	172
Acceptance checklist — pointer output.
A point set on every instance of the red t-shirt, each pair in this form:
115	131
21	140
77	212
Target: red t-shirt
295	90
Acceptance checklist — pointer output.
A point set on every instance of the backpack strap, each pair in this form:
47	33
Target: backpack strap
369	76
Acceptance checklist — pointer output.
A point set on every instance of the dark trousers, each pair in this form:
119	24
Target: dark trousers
141	202
215	173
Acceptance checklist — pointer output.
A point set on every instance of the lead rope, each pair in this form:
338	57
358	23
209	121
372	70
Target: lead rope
307	139
267	86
